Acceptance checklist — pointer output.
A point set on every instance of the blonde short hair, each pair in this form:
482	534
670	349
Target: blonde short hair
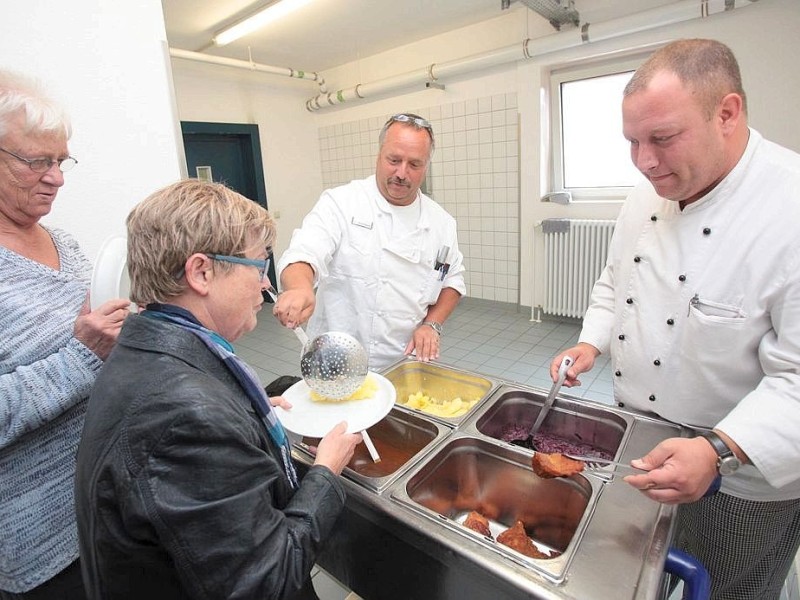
181	219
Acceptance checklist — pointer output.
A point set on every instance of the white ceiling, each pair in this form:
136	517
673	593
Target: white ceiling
329	33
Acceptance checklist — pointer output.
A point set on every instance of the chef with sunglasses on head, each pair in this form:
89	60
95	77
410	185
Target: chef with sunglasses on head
382	255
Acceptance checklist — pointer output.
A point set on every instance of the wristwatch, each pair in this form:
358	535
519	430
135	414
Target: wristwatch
727	462
437	327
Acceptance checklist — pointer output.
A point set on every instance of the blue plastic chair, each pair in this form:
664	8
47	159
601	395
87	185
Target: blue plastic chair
696	580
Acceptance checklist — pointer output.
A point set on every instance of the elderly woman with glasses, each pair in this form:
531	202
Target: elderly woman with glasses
52	348
185	486
384	255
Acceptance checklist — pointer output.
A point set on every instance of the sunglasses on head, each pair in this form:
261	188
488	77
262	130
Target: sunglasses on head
406	118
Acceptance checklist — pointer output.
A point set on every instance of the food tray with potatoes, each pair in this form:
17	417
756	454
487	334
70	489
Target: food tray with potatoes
467	514
438	391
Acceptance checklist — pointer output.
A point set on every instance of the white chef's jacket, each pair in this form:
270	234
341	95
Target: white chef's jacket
372	285
700	310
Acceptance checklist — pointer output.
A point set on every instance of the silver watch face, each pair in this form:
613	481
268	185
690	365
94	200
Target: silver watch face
728	465
436	326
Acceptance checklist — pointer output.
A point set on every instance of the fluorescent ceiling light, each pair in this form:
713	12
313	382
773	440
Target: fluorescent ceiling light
274	11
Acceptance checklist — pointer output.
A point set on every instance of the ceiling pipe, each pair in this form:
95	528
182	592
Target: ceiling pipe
529	48
250	66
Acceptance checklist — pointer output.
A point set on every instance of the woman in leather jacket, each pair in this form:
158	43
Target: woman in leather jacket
185	486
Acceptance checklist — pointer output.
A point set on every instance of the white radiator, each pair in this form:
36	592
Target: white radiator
575	252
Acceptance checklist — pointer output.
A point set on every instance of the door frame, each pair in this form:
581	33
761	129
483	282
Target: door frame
248	131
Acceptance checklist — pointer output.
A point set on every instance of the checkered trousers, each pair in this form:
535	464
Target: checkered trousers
746	546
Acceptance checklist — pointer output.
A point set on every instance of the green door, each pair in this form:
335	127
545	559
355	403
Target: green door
228	153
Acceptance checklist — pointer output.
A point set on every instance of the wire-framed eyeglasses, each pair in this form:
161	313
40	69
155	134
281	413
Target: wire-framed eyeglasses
43	165
261	264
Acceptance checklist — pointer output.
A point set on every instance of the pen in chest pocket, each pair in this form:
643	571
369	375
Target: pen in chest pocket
441	265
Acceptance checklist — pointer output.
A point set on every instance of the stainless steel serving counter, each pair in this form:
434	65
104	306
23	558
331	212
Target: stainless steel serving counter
395	542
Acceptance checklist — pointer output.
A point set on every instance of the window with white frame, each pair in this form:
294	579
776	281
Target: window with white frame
590	156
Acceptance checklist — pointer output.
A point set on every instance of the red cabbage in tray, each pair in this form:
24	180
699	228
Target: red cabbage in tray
549	443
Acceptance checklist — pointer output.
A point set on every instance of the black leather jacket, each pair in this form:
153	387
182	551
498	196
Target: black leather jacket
179	489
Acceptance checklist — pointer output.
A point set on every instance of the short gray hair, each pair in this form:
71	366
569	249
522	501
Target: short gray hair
407	120
23	95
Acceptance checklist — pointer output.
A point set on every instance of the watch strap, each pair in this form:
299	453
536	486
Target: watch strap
436	326
720	447
727	461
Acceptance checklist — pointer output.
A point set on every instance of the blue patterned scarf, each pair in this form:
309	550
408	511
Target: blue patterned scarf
246	377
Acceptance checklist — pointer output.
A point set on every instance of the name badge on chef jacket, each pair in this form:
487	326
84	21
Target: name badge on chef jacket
361	223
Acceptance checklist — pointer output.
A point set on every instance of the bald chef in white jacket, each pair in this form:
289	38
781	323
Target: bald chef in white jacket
383	256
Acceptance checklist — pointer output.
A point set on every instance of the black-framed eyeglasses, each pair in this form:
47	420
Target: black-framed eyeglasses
406	118
43	165
261	264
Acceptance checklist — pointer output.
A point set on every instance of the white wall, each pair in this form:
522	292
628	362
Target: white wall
762	35
106	62
288	133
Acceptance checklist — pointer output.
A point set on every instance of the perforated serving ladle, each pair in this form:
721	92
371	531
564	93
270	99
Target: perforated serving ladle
334	365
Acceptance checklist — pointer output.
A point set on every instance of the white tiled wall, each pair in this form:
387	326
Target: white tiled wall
474	175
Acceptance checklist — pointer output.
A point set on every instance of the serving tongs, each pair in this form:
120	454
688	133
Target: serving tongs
566	363
595	463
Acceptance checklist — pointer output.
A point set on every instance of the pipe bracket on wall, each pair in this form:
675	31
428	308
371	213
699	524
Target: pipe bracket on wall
585	33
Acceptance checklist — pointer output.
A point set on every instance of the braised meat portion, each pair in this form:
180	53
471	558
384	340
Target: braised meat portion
477	522
555	465
516	538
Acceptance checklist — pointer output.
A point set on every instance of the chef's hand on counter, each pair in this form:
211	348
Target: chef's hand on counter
98	329
680	470
426	342
584	355
337	448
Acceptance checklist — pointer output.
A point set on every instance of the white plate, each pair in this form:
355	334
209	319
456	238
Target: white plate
110	275
315	419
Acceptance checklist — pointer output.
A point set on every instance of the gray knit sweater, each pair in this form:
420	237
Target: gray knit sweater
45	378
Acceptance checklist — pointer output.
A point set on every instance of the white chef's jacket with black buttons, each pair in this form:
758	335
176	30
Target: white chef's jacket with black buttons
700	310
373	285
